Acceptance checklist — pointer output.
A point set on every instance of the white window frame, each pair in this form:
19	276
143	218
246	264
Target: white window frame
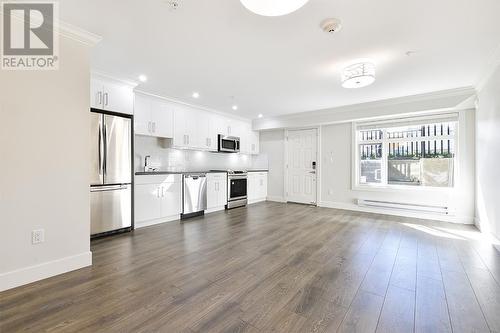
384	185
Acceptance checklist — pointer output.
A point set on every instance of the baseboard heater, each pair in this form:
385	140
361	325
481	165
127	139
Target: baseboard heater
404	206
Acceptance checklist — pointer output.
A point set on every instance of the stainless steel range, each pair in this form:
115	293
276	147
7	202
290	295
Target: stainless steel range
236	189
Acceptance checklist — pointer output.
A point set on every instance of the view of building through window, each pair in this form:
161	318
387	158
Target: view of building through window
420	154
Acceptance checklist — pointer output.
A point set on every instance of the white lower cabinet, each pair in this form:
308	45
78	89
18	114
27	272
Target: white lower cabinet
157	199
257	186
216	191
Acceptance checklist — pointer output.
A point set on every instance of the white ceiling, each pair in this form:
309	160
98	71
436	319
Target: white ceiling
283	65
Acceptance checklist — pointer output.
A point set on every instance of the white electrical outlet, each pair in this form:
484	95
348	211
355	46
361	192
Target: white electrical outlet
37	236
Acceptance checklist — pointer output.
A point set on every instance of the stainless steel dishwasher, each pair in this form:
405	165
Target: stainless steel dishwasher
194	194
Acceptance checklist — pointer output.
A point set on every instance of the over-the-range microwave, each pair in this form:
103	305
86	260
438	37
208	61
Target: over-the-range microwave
229	144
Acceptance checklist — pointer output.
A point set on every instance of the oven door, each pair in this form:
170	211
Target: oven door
237	188
229	144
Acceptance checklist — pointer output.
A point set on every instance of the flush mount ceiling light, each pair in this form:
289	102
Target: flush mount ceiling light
273	7
260	115
196	95
143	78
358	75
235	107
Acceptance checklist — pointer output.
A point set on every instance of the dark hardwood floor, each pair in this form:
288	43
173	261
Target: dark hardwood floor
273	268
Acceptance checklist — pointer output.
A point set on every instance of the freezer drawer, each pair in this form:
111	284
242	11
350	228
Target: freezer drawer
110	208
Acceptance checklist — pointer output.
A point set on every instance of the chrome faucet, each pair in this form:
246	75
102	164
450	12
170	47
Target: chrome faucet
146	163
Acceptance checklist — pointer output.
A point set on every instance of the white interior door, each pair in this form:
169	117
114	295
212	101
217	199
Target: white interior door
301	166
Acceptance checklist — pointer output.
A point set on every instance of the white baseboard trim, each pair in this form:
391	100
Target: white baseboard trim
276	198
44	270
216	209
493	238
256	200
395	212
143	224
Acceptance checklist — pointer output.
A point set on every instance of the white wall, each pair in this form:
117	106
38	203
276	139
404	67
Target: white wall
272	144
44	173
336	169
488	156
336	176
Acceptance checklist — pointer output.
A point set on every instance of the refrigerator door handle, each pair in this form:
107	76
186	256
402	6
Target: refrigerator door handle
109	188
101	150
105	149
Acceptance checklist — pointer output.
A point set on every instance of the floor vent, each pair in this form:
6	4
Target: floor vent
404	206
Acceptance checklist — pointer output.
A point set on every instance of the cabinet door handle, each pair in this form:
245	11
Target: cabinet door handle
106	97
158	192
99	98
149	127
154	127
187	139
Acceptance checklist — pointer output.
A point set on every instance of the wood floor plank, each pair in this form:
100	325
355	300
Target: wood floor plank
431	308
398	311
363	313
465	312
271	267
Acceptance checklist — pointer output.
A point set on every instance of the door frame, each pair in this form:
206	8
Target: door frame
318	161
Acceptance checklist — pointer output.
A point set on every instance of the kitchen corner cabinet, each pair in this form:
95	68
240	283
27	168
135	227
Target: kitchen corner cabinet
109	95
216	191
257	186
153	117
157	199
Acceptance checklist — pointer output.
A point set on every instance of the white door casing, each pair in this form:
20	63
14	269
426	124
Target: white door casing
301	166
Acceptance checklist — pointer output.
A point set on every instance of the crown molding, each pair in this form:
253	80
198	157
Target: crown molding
200	107
457	92
107	76
447	100
78	34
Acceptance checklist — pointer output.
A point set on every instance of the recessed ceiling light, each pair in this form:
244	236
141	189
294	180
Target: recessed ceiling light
143	78
260	115
196	95
235	107
273	7
358	75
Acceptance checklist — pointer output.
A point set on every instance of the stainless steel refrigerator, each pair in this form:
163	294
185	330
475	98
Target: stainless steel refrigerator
111	173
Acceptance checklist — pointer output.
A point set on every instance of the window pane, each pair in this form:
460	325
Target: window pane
370	163
418	131
370	135
370	172
424	163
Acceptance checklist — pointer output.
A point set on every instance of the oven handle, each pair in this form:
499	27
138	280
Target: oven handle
237	177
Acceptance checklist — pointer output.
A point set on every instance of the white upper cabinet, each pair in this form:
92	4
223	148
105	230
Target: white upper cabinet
142	115
189	127
153	116
205	139
254	142
107	94
185	127
162	118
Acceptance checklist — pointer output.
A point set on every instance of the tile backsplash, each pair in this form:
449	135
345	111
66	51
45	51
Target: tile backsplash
165	158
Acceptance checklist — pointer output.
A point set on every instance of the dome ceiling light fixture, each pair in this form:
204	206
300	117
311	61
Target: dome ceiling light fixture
273	7
358	75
